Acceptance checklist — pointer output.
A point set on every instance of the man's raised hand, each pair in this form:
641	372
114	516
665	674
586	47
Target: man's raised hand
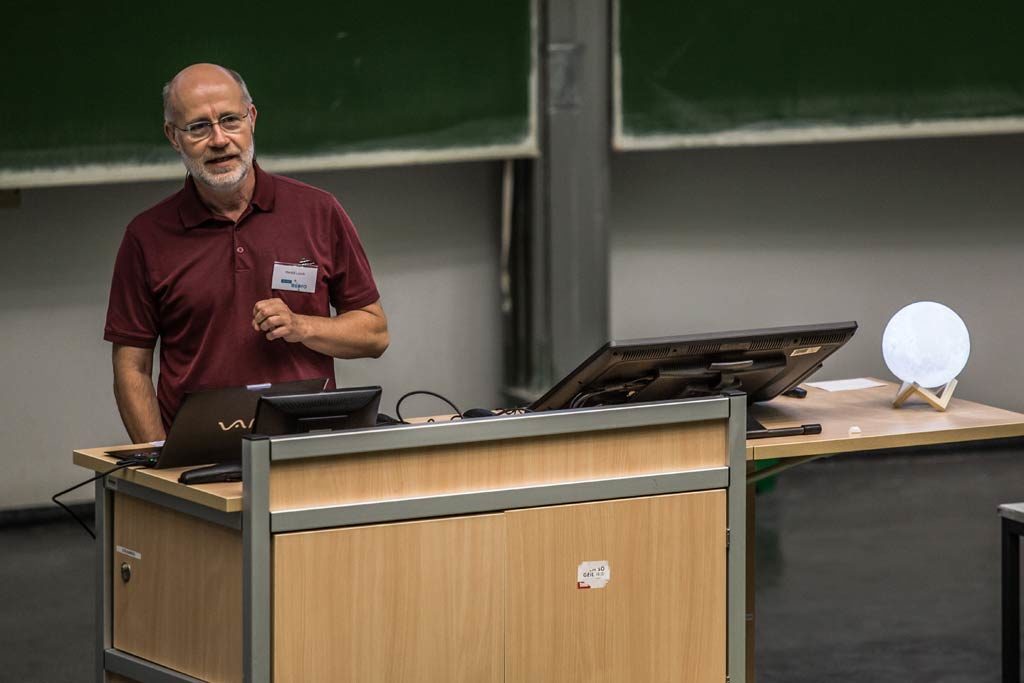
278	321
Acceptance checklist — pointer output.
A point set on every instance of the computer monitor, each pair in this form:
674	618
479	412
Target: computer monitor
323	411
763	363
210	424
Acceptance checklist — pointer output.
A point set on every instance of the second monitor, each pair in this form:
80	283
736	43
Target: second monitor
762	363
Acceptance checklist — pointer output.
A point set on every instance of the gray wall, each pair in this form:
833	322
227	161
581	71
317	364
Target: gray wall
722	239
701	240
432	236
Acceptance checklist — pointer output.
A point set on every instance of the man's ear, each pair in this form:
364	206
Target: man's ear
169	131
252	116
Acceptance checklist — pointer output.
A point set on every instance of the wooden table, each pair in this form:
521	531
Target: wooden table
881	425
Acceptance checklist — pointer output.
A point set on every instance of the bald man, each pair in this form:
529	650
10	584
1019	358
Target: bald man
236	273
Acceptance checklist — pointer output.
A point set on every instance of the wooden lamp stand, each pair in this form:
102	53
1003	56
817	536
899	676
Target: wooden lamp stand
938	401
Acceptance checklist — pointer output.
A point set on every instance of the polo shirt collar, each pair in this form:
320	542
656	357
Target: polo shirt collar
193	212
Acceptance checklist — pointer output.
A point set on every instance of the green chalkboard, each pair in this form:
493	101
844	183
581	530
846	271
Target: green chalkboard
81	81
699	67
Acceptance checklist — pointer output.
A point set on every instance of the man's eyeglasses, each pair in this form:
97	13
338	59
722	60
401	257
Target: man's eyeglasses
200	130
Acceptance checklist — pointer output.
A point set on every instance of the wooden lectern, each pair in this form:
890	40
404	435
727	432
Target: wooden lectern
581	545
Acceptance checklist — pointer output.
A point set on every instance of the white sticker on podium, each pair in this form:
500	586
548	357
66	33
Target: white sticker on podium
129	552
593	574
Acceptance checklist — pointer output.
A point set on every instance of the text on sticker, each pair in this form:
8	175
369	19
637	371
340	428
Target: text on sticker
595	574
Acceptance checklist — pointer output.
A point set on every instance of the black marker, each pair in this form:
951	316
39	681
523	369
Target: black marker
784	431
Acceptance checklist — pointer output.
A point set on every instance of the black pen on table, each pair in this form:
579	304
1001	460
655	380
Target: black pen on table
784	431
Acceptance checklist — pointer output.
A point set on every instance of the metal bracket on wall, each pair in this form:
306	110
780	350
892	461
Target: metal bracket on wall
10	199
564	76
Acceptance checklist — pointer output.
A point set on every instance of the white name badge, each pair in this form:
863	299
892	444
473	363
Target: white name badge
294	277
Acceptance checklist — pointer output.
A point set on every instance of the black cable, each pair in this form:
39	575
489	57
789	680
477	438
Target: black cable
521	410
498	412
581	400
398	406
98	476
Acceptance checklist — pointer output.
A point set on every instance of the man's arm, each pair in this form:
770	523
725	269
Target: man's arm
133	390
362	333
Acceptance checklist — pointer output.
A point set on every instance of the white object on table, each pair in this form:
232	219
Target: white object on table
846	384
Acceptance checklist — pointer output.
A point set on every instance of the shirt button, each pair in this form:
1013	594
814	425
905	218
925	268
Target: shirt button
240	250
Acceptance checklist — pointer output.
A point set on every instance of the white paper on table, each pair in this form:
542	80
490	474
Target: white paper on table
846	384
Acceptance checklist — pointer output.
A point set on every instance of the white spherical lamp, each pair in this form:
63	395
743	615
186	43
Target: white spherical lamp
926	345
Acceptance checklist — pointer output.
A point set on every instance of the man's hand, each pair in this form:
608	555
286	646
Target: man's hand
359	333
278	321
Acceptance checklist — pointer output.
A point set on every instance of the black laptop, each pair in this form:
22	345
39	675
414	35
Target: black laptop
210	424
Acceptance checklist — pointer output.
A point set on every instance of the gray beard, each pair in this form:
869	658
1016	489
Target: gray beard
220	181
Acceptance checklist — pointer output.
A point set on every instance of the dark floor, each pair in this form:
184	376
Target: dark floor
46	603
871	568
877	569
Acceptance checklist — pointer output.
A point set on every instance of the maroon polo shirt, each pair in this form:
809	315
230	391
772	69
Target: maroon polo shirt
190	278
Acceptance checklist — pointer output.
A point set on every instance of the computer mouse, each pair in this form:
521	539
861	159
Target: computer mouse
478	412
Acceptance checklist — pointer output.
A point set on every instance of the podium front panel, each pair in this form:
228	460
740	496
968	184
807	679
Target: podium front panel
181	604
625	590
414	602
531	461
